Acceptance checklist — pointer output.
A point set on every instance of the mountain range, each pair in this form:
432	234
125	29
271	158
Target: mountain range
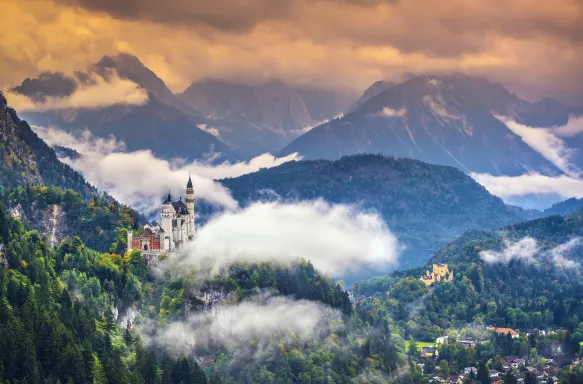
449	120
262	118
452	120
210	117
164	124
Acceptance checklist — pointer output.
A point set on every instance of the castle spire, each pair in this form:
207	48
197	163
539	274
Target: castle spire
168	199
189	184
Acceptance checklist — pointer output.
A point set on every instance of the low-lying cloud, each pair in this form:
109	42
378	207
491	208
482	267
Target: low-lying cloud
337	239
94	91
265	320
546	142
212	130
529	250
524	249
557	254
549	143
141	180
529	184
573	127
389	112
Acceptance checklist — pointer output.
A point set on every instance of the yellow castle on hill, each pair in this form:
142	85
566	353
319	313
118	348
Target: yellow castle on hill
440	273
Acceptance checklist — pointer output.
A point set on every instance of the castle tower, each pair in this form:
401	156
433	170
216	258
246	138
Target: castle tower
166	219
190	206
130	239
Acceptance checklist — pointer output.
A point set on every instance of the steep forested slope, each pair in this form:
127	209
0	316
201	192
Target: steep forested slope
56	318
52	197
100	222
25	158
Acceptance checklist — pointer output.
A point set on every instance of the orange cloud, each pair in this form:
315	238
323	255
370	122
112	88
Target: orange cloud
94	92
535	46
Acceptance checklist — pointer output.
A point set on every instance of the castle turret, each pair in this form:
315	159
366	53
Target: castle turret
166	216
190	207
130	239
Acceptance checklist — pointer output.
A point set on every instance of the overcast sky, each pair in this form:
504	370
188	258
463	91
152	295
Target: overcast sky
535	47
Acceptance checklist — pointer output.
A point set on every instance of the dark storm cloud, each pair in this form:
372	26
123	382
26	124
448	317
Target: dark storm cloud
225	15
436	27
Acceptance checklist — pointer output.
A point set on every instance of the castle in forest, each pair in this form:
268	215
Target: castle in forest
440	273
176	228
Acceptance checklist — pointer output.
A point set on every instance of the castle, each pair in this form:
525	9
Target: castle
440	273
176	228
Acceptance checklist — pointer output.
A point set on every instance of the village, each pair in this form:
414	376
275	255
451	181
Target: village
526	369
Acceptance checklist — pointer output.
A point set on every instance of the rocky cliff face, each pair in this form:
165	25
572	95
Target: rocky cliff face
50	222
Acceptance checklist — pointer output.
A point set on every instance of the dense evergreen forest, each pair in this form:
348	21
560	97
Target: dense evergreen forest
57	321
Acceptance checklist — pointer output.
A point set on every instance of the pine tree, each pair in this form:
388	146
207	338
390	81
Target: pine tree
509	378
98	373
483	374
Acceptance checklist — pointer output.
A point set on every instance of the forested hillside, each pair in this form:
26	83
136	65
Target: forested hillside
550	230
101	222
28	159
58	315
523	297
74	315
533	288
565	207
425	205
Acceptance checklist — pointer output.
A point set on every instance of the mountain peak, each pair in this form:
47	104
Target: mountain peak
130	67
441	119
121	60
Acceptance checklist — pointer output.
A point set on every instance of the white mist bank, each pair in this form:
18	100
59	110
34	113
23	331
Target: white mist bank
336	239
265	320
141	180
529	250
